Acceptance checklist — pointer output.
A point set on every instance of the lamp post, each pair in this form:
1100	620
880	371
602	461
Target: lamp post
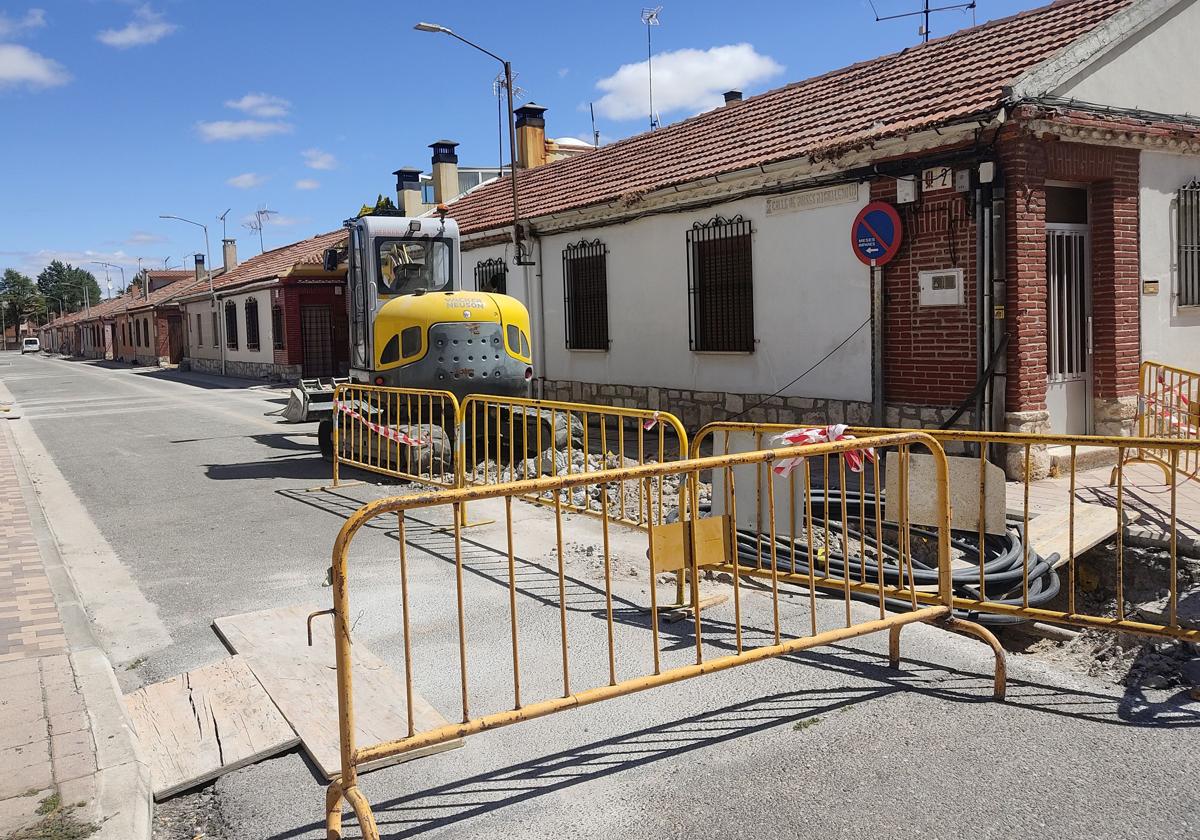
512	126
208	271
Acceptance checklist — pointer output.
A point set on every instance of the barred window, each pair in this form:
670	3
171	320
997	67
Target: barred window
720	285
277	326
146	332
491	276
199	329
585	293
1188	237
231	330
216	335
251	324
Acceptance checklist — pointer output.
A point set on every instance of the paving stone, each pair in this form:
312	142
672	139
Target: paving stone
69	743
63	703
74	765
69	722
18	733
16	812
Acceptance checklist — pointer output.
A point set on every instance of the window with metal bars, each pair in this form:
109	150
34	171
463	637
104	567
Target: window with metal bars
1188	236
277	326
199	329
251	324
231	330
720	285
585	295
491	276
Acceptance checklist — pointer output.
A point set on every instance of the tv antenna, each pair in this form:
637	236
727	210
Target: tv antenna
595	132
925	12
650	18
261	216
221	219
498	88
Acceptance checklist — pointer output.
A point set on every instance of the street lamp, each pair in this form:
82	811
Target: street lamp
207	252
119	268
512	126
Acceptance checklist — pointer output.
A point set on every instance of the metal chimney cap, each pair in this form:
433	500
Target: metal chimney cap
734	95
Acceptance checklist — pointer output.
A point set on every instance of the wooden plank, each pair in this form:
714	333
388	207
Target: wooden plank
302	681
201	724
1050	531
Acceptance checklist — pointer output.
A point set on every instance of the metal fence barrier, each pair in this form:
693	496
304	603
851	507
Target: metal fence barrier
506	439
693	536
401	432
1169	409
1015	573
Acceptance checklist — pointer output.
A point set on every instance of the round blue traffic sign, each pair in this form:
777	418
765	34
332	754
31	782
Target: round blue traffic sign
876	234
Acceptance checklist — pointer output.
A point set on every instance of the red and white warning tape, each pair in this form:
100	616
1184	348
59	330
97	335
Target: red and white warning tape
650	422
826	434
383	431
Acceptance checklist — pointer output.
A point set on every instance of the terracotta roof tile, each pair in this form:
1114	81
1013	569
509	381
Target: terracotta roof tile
947	79
278	262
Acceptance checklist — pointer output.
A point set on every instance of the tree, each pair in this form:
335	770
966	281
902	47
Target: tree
21	299
68	284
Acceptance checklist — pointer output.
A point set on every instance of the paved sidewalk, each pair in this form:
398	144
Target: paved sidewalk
67	755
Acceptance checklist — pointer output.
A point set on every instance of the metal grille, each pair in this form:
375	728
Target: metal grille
277	326
491	276
585	295
251	324
316	339
720	285
1188	220
1066	264
231	331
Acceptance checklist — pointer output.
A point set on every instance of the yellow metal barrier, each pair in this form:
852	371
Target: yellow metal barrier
1081	512
632	658
405	433
1169	409
506	439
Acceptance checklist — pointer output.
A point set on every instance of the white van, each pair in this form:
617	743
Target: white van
30	345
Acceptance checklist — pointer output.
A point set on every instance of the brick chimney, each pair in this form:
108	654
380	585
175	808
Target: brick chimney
408	191
445	171
229	254
531	136
200	275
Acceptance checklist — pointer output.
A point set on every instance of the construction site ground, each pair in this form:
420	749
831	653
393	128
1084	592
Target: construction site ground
196	508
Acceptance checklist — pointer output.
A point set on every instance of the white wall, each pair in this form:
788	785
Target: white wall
1170	334
206	348
1155	71
810	293
265	352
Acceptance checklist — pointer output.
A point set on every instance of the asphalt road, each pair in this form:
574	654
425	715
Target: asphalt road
199	499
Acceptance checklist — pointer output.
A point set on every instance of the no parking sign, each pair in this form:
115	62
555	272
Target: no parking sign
876	234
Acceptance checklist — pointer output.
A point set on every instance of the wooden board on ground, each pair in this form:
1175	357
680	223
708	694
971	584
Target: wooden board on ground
1050	532
199	725
302	681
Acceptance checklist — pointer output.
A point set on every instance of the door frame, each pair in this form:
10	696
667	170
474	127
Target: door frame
1090	376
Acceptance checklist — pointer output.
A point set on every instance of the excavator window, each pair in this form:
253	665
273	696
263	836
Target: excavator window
409	266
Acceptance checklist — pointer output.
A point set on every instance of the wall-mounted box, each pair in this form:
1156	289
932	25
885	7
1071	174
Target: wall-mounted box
941	288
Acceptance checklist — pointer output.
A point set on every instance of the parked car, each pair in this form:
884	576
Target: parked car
30	345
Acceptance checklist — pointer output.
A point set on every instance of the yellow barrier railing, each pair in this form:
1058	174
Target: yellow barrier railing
506	439
405	433
494	692
1169	409
1021	579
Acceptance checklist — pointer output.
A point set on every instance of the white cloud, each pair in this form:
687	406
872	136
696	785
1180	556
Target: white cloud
317	159
247	181
147	27
261	105
563	71
21	66
32	262
307	184
240	129
33	19
274	220
684	80
145	237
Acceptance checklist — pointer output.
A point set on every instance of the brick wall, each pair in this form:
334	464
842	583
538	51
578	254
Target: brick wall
291	298
929	351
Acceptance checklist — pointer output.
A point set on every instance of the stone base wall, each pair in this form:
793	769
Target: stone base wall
1115	416
246	370
696	408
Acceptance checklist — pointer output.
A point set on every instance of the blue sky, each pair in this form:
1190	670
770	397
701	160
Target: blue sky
114	112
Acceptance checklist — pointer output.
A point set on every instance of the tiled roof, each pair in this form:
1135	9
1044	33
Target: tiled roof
937	83
278	262
168	293
171	274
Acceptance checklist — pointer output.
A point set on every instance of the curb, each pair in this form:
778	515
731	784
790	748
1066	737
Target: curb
123	806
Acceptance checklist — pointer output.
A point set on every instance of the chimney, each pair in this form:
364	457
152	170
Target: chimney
229	254
200	267
732	96
445	171
408	191
531	136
